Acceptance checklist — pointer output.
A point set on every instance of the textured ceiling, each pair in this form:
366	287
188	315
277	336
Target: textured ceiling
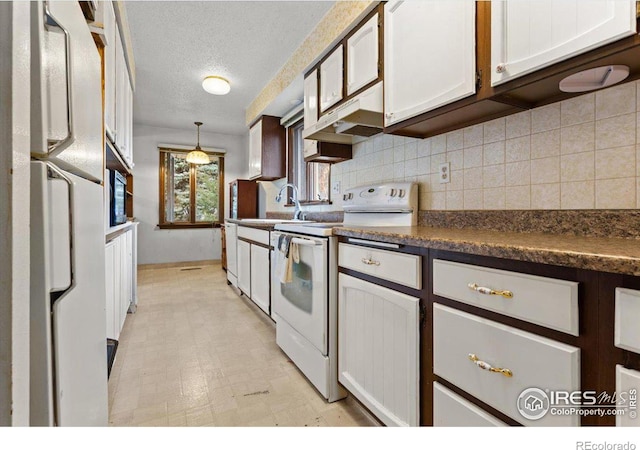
177	43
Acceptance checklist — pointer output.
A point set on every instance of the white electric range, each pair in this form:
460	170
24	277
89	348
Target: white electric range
305	308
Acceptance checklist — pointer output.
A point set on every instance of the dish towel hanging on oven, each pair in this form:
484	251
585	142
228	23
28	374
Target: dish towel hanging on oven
286	255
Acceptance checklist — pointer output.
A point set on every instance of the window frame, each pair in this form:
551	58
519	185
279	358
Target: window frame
192	224
291	177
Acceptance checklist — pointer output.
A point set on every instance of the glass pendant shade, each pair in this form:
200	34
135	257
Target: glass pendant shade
197	156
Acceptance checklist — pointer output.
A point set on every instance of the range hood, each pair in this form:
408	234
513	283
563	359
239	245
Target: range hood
359	116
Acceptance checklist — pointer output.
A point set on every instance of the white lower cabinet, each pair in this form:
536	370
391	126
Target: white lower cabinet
260	274
379	350
498	364
244	267
120	281
627	387
231	236
451	410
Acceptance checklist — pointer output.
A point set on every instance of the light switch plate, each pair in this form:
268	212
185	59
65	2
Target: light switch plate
335	187
444	173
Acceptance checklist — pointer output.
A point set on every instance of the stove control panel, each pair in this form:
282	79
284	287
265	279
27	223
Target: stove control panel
382	197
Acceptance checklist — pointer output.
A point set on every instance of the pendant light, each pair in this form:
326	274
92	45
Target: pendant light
197	156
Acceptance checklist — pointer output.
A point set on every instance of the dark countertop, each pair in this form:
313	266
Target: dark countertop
615	255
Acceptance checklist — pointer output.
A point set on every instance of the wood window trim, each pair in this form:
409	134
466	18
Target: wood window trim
162	177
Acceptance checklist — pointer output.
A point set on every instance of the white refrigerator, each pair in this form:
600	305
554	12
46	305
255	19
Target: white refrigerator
68	351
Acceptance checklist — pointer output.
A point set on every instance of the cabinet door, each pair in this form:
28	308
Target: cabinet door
378	358
121	79
255	150
627	386
125	281
128	150
110	280
232	249
244	267
110	70
260	276
331	80
362	56
311	99
421	74
529	35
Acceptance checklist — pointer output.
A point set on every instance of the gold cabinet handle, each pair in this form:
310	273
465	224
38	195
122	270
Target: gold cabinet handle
489	291
370	262
486	366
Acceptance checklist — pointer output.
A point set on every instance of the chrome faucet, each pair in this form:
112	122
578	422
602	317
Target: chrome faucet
297	212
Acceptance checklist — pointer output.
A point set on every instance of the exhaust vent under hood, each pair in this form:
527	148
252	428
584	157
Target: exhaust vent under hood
359	116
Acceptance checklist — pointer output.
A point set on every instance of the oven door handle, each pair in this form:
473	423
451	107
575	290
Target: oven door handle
307	242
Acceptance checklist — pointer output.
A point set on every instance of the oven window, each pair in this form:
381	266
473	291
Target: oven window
300	291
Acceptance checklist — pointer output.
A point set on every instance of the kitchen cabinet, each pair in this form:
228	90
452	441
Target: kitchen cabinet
378	330
627	382
110	70
223	247
254	265
260	277
362	56
331	79
529	35
121	288
267	149
413	32
112	288
243	196
244	267
231	236
311	99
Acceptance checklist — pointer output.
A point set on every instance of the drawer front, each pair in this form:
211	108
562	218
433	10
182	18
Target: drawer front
627	382
451	410
534	362
627	330
544	301
254	234
391	266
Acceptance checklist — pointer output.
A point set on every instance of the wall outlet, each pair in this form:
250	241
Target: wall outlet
335	187
444	173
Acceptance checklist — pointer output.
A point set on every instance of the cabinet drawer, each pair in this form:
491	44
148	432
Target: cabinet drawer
254	234
451	410
392	266
544	301
627	331
534	362
628	382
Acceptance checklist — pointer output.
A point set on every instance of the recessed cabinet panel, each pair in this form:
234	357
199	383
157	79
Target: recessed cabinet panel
421	72
627	387
260	291
529	35
451	410
311	99
627	321
331	80
465	346
362	56
244	267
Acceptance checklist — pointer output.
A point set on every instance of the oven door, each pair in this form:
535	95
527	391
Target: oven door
302	303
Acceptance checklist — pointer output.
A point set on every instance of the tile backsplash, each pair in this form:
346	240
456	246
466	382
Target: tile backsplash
581	153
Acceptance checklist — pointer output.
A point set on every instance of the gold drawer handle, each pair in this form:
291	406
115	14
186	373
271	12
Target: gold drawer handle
486	366
370	262
489	291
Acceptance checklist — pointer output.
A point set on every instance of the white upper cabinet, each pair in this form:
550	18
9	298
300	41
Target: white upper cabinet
331	80
421	73
311	99
529	35
255	150
110	70
121	89
362	56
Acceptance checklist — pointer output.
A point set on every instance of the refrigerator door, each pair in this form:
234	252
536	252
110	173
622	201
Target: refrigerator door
68	327
66	92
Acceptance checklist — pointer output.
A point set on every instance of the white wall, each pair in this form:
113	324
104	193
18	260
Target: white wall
166	246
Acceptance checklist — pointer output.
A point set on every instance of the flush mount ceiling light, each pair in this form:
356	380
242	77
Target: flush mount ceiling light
596	78
216	85
197	156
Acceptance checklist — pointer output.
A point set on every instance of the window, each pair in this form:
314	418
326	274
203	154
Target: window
312	178
191	195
